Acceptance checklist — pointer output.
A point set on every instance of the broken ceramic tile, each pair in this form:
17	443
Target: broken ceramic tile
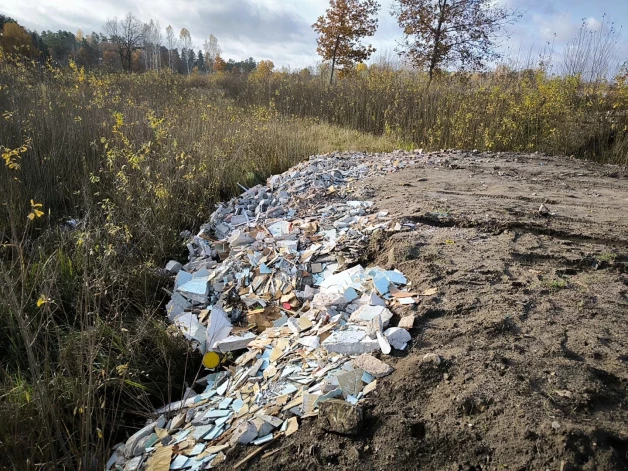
251	285
397	337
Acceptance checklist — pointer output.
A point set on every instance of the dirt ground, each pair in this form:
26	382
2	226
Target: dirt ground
530	321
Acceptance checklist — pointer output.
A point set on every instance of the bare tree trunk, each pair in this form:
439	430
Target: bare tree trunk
439	30
333	61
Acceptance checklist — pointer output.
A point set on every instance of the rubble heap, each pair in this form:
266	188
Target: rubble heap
274	274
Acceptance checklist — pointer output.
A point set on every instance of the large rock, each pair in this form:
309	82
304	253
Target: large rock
339	416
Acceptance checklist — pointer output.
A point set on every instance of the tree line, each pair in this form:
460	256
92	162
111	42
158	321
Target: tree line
126	44
437	36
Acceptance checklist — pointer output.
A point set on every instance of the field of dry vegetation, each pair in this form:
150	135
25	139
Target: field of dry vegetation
101	172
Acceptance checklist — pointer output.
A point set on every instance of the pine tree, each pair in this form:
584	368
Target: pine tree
200	62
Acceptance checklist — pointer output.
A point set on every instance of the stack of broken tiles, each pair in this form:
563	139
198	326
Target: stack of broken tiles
268	275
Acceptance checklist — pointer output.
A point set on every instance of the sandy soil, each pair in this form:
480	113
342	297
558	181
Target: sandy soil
530	321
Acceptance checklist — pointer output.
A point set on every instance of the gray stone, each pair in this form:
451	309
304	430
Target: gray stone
173	267
339	416
432	358
407	322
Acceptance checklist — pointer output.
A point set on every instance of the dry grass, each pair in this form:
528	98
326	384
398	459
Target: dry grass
135	159
525	111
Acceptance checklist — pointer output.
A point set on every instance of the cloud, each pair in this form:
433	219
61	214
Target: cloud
259	28
593	24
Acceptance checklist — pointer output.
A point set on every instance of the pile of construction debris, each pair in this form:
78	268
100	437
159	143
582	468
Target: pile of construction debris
274	277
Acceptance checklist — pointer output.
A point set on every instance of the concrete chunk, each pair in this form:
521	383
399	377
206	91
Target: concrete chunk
372	365
350	342
244	434
367	313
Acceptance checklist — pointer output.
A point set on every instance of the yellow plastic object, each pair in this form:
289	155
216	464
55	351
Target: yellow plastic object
211	360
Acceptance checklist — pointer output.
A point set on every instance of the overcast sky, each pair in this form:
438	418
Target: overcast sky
280	30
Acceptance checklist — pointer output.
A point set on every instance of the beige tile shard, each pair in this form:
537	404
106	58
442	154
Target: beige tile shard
369	388
216	449
294	403
281	345
308	402
397	293
243	410
282	400
220	458
160	460
293	426
270	372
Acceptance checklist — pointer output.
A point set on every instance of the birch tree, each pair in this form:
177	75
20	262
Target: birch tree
186	44
171	41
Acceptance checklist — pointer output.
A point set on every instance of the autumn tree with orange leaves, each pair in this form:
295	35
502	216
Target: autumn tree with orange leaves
15	39
340	30
439	33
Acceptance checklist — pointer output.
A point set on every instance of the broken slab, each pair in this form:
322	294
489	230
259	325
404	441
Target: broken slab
218	328
350	382
192	329
351	341
235	342
398	337
134	439
366	313
239	238
195	290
